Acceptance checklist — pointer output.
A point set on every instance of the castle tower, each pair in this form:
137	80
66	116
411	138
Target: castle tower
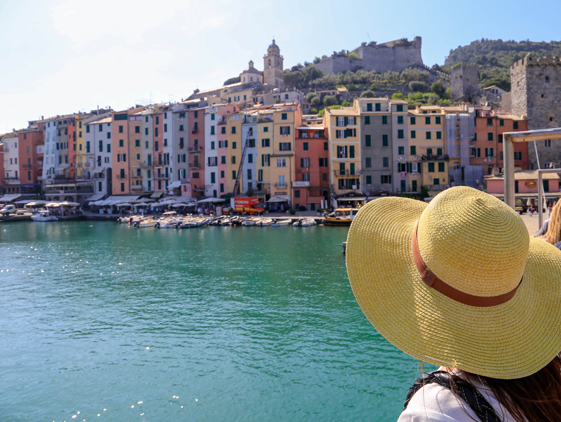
465	79
535	93
273	65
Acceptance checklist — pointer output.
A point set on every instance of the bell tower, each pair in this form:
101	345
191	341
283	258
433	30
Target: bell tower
273	67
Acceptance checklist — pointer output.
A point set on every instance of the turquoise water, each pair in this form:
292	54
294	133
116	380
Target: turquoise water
212	324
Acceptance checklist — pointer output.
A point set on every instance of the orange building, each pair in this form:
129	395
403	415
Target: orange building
486	148
30	155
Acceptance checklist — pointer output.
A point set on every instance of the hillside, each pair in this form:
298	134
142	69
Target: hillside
495	57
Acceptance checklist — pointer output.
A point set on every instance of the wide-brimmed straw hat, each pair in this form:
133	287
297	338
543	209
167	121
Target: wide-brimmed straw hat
458	282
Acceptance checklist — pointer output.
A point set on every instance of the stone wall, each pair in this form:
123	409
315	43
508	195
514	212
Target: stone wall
465	79
536	93
381	58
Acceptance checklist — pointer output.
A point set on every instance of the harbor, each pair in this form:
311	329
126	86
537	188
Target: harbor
219	323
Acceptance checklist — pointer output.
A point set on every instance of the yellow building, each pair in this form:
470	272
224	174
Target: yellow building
344	149
427	148
84	156
265	139
286	117
235	148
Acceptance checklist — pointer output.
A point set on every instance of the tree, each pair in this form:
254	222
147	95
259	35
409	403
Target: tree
316	101
368	94
317	60
418	86
448	94
231	81
321	112
432	98
437	88
330	100
397	96
346	103
293	79
309	96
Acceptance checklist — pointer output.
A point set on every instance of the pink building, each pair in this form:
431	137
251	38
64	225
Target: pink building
525	187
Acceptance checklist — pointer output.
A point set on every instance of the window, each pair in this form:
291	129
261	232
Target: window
378	107
515	125
436	181
250	158
88	129
517	155
413	150
304	162
429	135
121	143
368	106
438	120
265	143
323	162
413	134
137	129
384	140
233	159
385	162
234	145
401	136
282	183
384	120
489	121
475	152
427	120
281	162
223	130
120	128
399	107
400	150
547	143
233	174
325	146
431	167
285	130
233	129
441	167
386	179
212	145
368	140
490	136
368	162
108	147
501	122
266	129
489	152
366	120
146	131
195	175
500	138
108	135
284	116
296	193
547	79
181	128
399	120
342	151
223	160
305	146
284	146
368	180
412	120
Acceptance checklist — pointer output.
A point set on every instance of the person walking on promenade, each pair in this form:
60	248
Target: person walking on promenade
460	284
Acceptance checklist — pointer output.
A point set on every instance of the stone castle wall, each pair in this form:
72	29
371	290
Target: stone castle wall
536	93
465	79
380	58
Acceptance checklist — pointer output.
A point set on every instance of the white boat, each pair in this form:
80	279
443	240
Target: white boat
265	222
250	222
44	216
149	222
308	222
169	223
278	223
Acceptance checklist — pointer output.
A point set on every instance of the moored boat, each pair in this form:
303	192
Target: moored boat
44	216
341	217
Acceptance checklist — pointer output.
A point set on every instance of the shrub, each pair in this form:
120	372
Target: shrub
314	111
330	100
317	60
410	75
353	56
316	101
398	96
321	112
433	98
367	94
437	88
418	86
352	87
310	95
374	87
346	103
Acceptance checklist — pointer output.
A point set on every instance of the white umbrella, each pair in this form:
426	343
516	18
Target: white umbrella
278	199
52	205
179	205
142	204
69	204
124	204
191	204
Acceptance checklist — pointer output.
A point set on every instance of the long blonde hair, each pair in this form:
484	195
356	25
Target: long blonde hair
553	234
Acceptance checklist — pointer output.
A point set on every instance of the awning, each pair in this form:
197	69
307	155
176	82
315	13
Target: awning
9	198
211	200
124	204
157	195
350	198
117	199
95	197
174	185
279	199
26	201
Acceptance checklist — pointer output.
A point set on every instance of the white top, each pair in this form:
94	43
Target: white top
435	403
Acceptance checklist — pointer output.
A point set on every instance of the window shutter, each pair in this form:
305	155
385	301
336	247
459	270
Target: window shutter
346	121
352	151
346	151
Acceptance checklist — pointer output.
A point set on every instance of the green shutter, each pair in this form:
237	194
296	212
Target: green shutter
346	151
262	160
352	151
346	121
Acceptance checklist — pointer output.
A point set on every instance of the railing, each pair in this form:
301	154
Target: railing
27	166
161	176
195	149
119	177
433	157
276	185
147	164
195	165
7	179
99	176
136	187
346	172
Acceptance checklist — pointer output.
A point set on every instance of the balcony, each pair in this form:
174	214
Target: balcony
10	179
433	157
161	176
99	176
196	149
136	187
345	173
194	165
27	166
276	185
145	164
121	177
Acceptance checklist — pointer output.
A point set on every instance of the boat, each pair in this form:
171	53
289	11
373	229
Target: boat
280	222
250	221
148	222
44	216
193	222
341	217
305	222
265	222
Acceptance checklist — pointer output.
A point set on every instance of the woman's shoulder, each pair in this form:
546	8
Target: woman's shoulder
436	403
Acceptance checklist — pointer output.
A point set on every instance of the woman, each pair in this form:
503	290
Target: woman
459	283
551	229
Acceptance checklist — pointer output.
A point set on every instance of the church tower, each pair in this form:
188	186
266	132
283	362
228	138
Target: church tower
273	67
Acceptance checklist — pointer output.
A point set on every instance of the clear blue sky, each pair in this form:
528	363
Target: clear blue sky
63	56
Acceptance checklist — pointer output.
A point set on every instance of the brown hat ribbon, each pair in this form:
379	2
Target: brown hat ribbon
440	286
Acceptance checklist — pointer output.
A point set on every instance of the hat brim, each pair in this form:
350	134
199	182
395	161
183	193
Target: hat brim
508	341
